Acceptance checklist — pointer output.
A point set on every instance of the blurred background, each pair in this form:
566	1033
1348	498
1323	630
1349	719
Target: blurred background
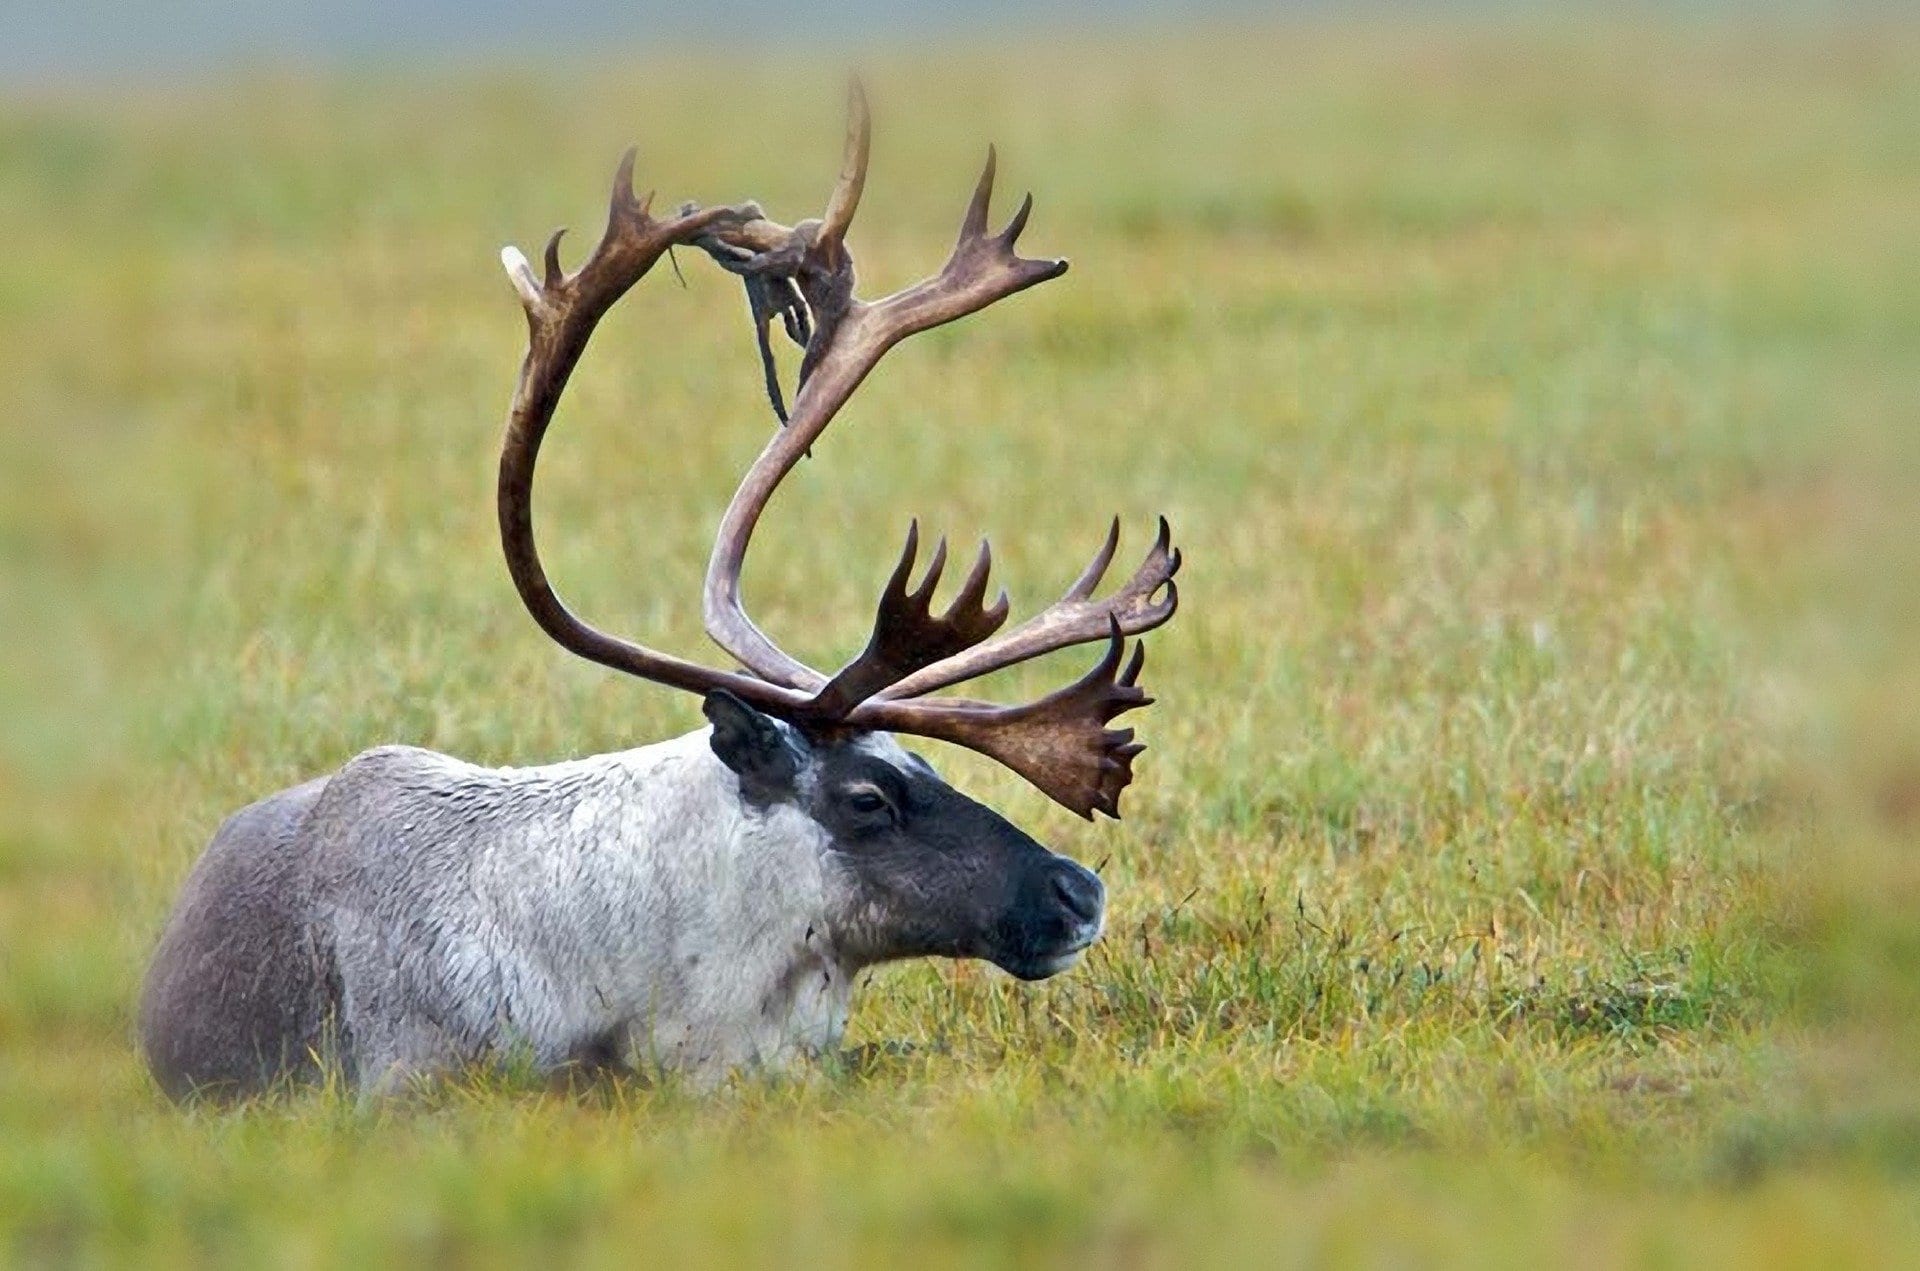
1523	867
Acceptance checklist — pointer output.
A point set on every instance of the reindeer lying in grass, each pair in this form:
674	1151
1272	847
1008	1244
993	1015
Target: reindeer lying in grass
703	903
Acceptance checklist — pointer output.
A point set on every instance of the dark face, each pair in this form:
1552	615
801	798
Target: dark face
929	872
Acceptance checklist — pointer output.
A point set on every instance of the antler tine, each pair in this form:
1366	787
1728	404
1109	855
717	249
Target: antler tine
622	201
1097	567
923	594
1146	600
974	589
853	176
974	223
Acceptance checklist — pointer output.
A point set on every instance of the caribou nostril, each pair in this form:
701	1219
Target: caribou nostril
1080	892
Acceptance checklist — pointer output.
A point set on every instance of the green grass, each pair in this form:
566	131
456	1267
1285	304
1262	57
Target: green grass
1515	878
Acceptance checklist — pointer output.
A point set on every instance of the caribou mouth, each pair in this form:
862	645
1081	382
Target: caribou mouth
1047	965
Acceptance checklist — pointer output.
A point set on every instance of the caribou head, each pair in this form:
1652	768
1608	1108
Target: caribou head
1012	895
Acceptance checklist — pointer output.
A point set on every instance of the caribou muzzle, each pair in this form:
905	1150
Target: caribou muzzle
1057	914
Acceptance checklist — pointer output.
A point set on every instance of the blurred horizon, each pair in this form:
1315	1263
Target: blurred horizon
88	41
107	38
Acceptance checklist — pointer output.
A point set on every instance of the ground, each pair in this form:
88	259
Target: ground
1521	872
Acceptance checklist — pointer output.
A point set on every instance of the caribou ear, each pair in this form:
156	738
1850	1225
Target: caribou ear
752	745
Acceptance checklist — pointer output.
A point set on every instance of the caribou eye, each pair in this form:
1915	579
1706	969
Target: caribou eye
867	801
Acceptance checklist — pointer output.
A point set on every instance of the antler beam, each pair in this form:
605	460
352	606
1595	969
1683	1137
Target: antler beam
562	311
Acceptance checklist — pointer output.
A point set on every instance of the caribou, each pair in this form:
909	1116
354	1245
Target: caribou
701	905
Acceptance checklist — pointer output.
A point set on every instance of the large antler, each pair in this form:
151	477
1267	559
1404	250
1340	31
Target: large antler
805	276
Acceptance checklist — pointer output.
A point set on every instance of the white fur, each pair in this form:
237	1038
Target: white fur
633	897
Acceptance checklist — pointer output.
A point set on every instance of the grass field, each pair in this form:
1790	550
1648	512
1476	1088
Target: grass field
1515	878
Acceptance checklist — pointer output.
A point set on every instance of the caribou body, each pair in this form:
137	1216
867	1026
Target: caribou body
698	905
702	904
